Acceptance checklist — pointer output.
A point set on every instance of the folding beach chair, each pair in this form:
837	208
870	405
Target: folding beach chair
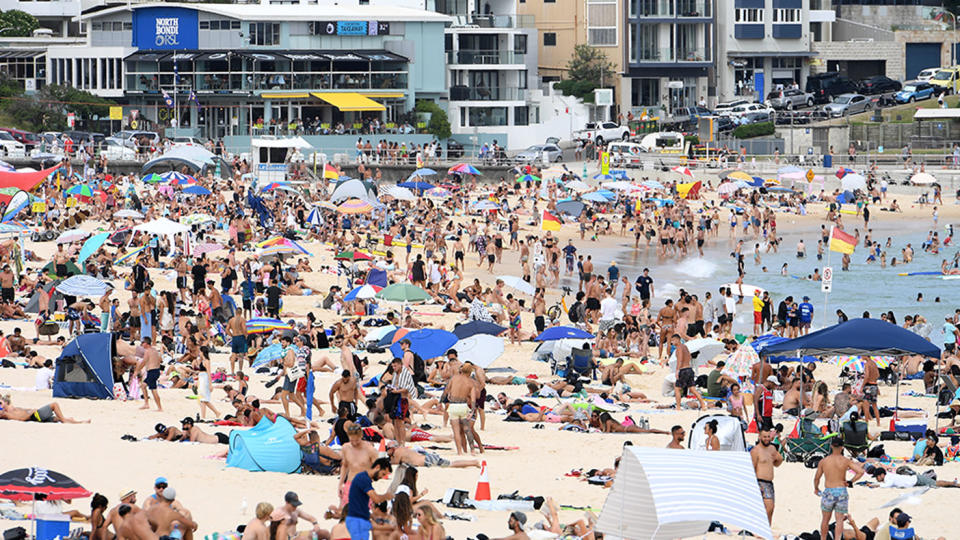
855	438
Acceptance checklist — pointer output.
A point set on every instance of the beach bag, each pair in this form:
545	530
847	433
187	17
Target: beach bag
903	469
419	369
944	397
876	451
119	393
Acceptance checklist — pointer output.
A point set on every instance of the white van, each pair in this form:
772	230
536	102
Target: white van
663	142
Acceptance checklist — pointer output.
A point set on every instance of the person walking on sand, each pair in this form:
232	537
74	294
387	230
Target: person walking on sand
686	378
150	365
765	457
834	497
237	330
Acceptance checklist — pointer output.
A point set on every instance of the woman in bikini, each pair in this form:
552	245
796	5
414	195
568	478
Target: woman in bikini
430	527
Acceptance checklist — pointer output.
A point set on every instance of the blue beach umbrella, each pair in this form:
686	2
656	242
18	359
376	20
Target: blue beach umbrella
563	332
428	343
196	190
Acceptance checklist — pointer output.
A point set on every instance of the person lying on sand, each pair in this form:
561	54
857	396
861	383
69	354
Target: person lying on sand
604	422
422	458
49	413
166	433
193	433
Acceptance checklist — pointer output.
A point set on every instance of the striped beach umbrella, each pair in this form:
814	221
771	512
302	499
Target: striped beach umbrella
129	255
463	168
438	193
355	206
153	178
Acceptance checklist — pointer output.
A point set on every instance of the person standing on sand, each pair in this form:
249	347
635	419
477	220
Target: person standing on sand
460	395
685	374
834	498
237	330
169	522
362	494
150	365
765	457
358	456
870	389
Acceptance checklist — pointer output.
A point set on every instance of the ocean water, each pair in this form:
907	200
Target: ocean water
865	287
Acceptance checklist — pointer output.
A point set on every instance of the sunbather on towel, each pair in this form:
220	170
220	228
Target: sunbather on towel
604	422
49	413
520	411
422	458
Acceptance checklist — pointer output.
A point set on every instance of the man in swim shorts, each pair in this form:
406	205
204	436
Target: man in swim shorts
461	394
419	457
237	330
49	413
834	498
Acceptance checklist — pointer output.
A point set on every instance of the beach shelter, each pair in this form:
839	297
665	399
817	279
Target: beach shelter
661	494
729	431
83	285
267	446
72	269
85	368
473	328
689	190
33	305
868	337
480	349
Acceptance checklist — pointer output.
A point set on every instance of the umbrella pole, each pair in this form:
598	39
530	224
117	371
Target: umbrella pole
937	417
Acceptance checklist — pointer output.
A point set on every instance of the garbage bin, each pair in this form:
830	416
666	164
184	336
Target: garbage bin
827	161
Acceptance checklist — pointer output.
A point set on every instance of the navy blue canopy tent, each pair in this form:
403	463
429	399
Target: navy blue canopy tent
85	368
762	342
868	337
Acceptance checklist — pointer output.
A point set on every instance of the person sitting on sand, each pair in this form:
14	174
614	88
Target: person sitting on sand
170	522
193	433
49	413
516	522
256	528
615	372
604	422
419	457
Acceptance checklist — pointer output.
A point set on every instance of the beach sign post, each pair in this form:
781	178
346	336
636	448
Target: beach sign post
826	281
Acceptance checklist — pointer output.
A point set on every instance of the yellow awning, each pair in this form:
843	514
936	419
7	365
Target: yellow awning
384	94
275	95
349	101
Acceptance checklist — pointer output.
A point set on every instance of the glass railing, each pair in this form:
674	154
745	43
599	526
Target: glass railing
655	8
693	8
234	82
672	8
667	54
467	93
494	21
485	57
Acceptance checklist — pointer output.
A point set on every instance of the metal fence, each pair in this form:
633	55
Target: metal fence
919	135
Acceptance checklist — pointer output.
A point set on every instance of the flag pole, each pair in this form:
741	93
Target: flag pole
826	294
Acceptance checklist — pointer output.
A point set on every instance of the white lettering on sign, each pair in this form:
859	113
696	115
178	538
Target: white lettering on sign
168	31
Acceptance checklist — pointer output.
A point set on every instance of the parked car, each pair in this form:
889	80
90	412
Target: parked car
454	149
600	132
914	91
927	74
879	84
186	141
29	140
847	104
85	136
745	108
755	117
543	153
946	80
129	138
722	108
113	150
10	146
824	86
789	98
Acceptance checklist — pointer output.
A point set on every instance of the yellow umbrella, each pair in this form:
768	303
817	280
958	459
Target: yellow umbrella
740	175
355	206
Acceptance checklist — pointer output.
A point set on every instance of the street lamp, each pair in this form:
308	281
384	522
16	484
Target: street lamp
940	12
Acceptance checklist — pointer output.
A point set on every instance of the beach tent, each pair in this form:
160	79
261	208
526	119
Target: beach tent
761	342
856	337
196	157
268	446
729	431
33	305
689	190
85	368
665	494
72	269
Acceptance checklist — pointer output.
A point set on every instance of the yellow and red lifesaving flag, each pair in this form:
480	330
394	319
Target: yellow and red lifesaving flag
841	241
331	172
550	222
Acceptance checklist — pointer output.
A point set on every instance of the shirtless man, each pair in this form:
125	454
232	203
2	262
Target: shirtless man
168	521
216	302
256	528
614	373
50	413
6	284
870	389
104	304
128	498
834	497
765	457
289	514
480	379
794	400
133	524
237	330
195	434
358	456
345	390
678	434
665	320
148	322
134	309
346	355
686	377
515	522
399	454
60	259
461	395
150	365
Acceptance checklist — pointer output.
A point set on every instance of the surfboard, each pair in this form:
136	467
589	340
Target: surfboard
743	290
955	276
937	273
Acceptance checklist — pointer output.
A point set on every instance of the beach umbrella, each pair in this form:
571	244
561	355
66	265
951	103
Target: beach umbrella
595	197
269	354
314	218
353	255
682	170
80	190
437	193
400	193
857	363
727	188
604	177
91	246
363	292
153	178
578	186
419	173
393	336
82	285
739	175
267	322
376	334
278	249
426	342
274	185
182	180
196	190
473	328
129	255
853	182
463	168
570	208
195	219
416	185
127	213
481	350
742	359
703	350
6	167
482	206
620	185
352	189
563	332
528	178
518	284
355	206
72	235
206	248
922	179
26	484
403	292
652	184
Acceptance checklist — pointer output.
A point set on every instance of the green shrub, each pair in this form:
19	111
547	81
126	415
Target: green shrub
749	131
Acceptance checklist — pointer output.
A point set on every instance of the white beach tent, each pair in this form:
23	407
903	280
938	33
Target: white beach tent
665	494
164	227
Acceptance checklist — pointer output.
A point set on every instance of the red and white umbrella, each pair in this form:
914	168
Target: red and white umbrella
683	170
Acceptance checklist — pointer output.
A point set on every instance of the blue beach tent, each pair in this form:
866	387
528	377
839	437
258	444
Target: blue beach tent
267	446
85	368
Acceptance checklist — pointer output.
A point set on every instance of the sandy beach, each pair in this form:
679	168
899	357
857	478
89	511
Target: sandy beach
221	498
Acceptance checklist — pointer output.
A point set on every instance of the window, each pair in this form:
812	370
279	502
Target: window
117	26
549	39
602	23
264	34
204	25
749	15
520	44
633	43
786	16
521	116
128	26
96	27
522	79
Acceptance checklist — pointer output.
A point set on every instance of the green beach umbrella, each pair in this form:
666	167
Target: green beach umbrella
403	292
528	178
153	178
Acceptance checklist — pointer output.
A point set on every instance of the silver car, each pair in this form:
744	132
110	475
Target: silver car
544	153
847	104
789	99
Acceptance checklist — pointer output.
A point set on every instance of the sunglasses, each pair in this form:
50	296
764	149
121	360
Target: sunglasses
160	486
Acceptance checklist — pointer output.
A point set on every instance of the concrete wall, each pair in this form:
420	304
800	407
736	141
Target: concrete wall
799	140
887	17
890	51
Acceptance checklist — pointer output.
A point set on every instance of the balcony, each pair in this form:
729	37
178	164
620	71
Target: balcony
670	9
469	93
694	8
670	55
493	21
230	82
484	57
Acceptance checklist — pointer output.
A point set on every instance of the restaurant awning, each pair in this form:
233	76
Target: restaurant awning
22	54
285	95
349	101
147	56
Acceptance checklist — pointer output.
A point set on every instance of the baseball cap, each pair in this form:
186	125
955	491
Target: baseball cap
773	379
160	480
903	518
292	498
169	493
159	428
187	420
521	517
806	298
